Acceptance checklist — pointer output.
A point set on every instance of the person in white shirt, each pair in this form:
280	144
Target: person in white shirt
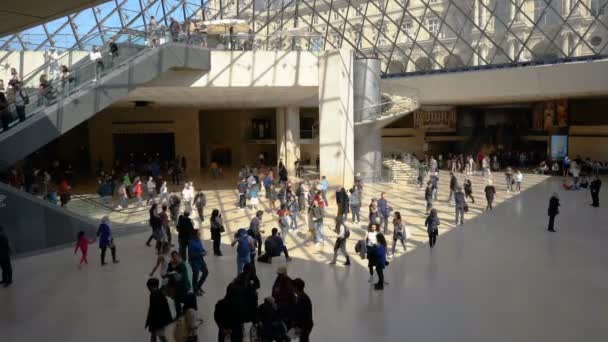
188	196
96	58
151	190
340	245
164	193
519	177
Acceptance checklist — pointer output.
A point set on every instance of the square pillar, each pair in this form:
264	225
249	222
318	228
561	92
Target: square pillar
336	117
288	137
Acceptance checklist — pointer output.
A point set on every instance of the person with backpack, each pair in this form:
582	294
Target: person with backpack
228	315
250	283
245	244
432	227
317	217
340	245
179	283
428	196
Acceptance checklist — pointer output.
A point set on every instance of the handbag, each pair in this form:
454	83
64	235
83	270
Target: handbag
466	208
222	229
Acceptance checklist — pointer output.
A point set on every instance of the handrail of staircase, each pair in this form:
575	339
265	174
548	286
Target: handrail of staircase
78	76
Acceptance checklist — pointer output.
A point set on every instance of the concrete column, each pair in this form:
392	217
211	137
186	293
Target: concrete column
368	137
336	125
366	87
288	137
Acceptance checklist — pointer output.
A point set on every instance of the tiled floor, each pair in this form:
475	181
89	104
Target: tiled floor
500	277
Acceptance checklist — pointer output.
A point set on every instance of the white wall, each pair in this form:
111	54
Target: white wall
510	84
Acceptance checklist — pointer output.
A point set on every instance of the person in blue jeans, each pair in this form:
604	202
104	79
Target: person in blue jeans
293	207
196	254
317	217
244	244
355	204
384	209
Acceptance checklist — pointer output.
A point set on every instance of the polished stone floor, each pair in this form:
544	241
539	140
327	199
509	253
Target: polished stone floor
500	277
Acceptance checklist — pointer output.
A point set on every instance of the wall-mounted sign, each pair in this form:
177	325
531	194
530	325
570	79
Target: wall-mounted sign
435	121
559	146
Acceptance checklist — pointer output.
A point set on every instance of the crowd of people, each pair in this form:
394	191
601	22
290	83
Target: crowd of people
179	272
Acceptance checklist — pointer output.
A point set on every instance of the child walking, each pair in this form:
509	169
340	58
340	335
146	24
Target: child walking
82	243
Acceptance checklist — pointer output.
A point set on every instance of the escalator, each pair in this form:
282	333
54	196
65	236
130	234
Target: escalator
91	89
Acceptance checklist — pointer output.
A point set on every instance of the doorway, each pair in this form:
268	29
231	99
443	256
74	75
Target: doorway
143	146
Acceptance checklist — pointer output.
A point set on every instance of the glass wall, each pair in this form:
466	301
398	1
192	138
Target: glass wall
408	35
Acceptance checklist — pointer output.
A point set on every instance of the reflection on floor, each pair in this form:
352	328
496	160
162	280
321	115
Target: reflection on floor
500	277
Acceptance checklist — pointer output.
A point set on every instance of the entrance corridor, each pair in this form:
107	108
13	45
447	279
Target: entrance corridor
500	277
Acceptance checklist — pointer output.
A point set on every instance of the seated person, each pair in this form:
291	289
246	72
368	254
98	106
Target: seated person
273	247
567	186
555	167
542	168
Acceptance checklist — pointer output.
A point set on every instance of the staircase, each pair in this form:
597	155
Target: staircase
403	172
47	120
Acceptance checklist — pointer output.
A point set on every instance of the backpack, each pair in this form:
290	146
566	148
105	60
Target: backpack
243	247
24	96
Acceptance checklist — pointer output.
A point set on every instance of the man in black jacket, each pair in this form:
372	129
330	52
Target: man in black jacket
159	314
302	319
5	259
185	229
595	186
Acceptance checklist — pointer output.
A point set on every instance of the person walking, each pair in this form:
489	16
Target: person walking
243	249
165	226
82	243
200	202
162	260
428	196
324	187
380	261
371	242
317	217
150	190
509	179
185	230
196	255
159	314
434	179
490	191
5	259
399	232
95	57
104	235
156	224
460	207
255	230
468	189
432	226
217	227
242	189
595	187
519	178
340	245
384	211
228	315
179	283
355	204
453	186
553	211
113	47
303	319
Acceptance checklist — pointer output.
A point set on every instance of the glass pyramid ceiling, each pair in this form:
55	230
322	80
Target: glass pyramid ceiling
408	35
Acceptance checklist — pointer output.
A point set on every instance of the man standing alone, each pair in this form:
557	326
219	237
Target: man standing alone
5	259
595	186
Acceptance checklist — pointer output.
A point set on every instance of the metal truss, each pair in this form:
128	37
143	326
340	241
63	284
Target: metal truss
407	35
